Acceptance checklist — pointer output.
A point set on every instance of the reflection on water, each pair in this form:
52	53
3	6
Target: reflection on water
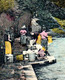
55	71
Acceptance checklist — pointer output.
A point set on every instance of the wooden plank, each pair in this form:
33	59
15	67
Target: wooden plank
49	59
30	74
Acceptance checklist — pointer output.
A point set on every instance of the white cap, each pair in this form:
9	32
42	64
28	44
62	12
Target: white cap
23	26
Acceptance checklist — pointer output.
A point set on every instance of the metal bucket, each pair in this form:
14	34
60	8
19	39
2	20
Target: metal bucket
31	56
23	39
19	57
8	58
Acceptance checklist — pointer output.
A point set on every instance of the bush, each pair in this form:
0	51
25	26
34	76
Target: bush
6	4
62	24
60	21
56	30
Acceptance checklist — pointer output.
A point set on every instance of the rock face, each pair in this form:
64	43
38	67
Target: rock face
35	26
44	9
5	23
55	10
23	15
25	19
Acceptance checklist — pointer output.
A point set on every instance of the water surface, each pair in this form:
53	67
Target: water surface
55	71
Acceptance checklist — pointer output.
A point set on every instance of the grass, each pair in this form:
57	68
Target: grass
62	24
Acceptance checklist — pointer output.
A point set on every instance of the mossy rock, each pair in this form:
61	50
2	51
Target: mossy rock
62	24
60	21
56	30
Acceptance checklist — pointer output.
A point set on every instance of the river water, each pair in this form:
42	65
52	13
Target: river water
54	71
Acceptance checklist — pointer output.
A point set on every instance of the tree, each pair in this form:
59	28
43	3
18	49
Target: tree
6	4
60	3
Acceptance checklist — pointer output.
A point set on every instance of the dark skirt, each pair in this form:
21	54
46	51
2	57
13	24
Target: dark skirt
44	43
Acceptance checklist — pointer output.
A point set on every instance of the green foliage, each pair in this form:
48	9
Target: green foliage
6	4
60	3
61	23
35	6
56	30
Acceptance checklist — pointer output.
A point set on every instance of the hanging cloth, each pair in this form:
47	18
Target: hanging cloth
8	47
